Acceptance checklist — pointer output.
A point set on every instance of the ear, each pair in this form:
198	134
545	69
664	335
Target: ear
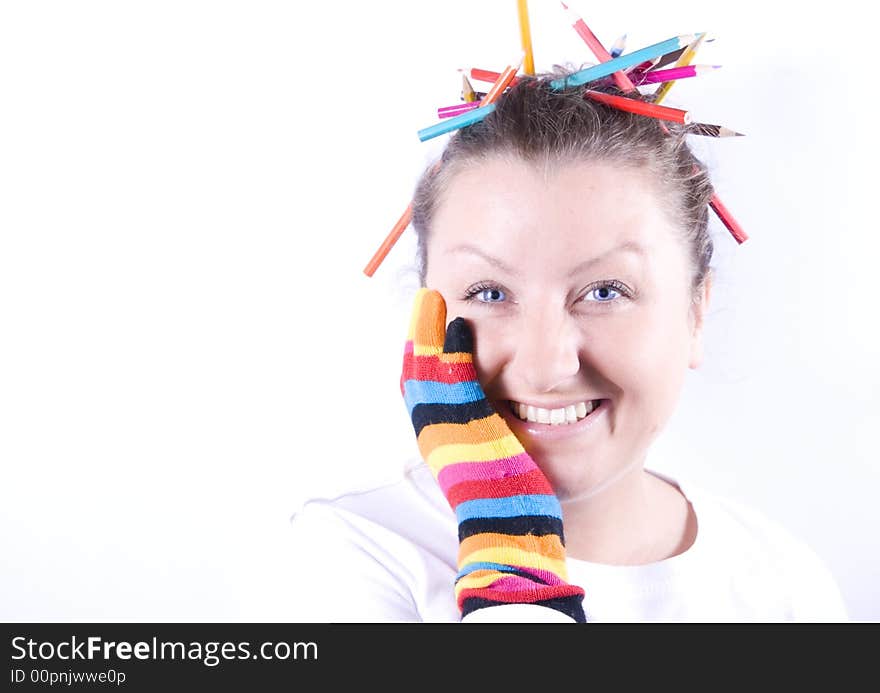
698	310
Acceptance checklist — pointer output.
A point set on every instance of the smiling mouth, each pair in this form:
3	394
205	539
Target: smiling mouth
555	417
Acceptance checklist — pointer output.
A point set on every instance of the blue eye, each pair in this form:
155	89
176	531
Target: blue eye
485	293
601	292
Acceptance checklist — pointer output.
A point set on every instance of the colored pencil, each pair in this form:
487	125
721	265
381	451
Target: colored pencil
618	47
477	114
457	109
389	241
456	122
626	60
640	107
707	130
684	60
503	81
526	36
674	73
727	219
489	76
397	230
667	59
685	56
467	91
580	26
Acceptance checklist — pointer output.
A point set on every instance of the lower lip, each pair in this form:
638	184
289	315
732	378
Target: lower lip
554	431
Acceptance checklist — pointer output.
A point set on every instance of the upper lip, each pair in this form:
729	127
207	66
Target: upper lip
558	404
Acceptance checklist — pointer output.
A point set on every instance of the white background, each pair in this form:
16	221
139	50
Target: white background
189	192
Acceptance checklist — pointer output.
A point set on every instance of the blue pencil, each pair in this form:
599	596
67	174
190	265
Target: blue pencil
618	47
457	122
621	63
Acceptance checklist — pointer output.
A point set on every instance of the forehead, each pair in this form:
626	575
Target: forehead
515	209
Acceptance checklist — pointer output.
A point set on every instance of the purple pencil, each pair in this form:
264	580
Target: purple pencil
457	109
673	73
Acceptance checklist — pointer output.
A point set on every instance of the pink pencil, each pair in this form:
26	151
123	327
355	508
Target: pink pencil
457	109
580	26
674	73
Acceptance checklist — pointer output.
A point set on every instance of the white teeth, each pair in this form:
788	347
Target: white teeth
564	415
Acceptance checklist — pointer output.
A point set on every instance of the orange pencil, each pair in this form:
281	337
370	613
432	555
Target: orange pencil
389	241
503	81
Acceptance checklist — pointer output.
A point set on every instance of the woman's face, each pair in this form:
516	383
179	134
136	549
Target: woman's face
577	289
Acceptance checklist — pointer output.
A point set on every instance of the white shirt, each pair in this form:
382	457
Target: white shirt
389	553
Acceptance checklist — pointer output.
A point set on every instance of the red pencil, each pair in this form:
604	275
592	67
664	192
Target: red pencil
489	76
641	107
727	219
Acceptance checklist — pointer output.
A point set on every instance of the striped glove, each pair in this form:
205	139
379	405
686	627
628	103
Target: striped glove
511	545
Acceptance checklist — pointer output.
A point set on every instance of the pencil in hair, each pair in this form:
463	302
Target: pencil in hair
685	59
673	73
503	81
707	130
644	108
526	36
457	109
618	46
665	60
580	26
727	219
489	76
472	116
604	69
467	91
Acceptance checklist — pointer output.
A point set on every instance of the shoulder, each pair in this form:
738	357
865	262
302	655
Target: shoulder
757	547
411	505
373	553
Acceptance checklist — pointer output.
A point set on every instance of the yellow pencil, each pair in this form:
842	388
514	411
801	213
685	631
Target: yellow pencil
529	61
685	59
467	91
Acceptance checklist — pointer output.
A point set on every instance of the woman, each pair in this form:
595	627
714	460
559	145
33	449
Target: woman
571	240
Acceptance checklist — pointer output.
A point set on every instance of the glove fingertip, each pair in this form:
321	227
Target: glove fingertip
459	338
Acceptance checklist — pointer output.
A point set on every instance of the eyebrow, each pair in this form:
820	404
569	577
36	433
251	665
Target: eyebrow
628	246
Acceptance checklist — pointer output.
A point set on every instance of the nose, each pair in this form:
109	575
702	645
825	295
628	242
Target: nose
546	354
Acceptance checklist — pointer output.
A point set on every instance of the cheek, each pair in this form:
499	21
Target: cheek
649	358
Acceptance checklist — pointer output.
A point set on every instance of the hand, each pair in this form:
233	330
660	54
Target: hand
511	544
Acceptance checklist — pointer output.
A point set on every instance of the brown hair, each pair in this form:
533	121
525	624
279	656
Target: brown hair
552	127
